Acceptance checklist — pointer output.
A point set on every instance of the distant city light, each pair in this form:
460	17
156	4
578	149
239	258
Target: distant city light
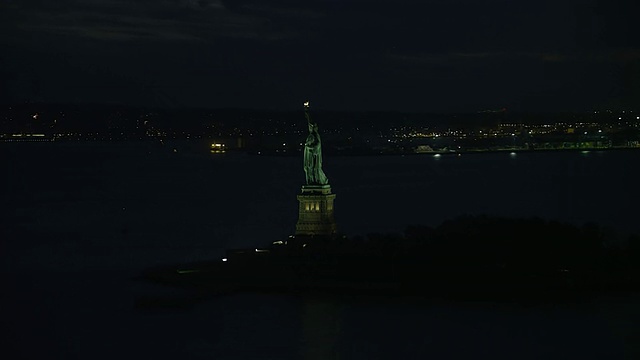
187	271
217	148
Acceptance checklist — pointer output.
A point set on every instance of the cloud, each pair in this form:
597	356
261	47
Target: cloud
553	57
232	4
170	20
595	56
442	58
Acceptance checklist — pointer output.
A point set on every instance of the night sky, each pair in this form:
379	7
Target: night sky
432	56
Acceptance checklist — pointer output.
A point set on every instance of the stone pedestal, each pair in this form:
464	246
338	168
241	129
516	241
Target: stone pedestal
315	215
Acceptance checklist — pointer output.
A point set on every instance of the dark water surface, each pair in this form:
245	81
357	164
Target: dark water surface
82	220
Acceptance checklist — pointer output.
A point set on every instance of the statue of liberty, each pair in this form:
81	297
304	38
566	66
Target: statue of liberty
313	153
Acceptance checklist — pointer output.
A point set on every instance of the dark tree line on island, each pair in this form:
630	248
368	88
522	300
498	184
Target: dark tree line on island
469	257
487	252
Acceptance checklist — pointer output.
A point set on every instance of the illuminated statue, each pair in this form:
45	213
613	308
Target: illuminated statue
313	153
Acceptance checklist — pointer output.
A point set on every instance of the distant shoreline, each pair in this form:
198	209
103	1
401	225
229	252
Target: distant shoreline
329	151
448	153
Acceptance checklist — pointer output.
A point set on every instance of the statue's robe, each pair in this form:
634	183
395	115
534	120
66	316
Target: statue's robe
313	160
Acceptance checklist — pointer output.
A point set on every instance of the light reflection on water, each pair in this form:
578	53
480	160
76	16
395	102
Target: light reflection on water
77	313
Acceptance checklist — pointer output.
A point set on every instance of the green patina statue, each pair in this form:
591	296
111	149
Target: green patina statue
313	153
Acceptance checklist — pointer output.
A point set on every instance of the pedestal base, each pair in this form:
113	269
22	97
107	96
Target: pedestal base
315	215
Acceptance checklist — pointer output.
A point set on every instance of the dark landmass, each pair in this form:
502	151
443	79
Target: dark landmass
468	258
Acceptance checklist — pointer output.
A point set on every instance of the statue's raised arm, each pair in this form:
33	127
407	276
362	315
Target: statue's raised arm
307	115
